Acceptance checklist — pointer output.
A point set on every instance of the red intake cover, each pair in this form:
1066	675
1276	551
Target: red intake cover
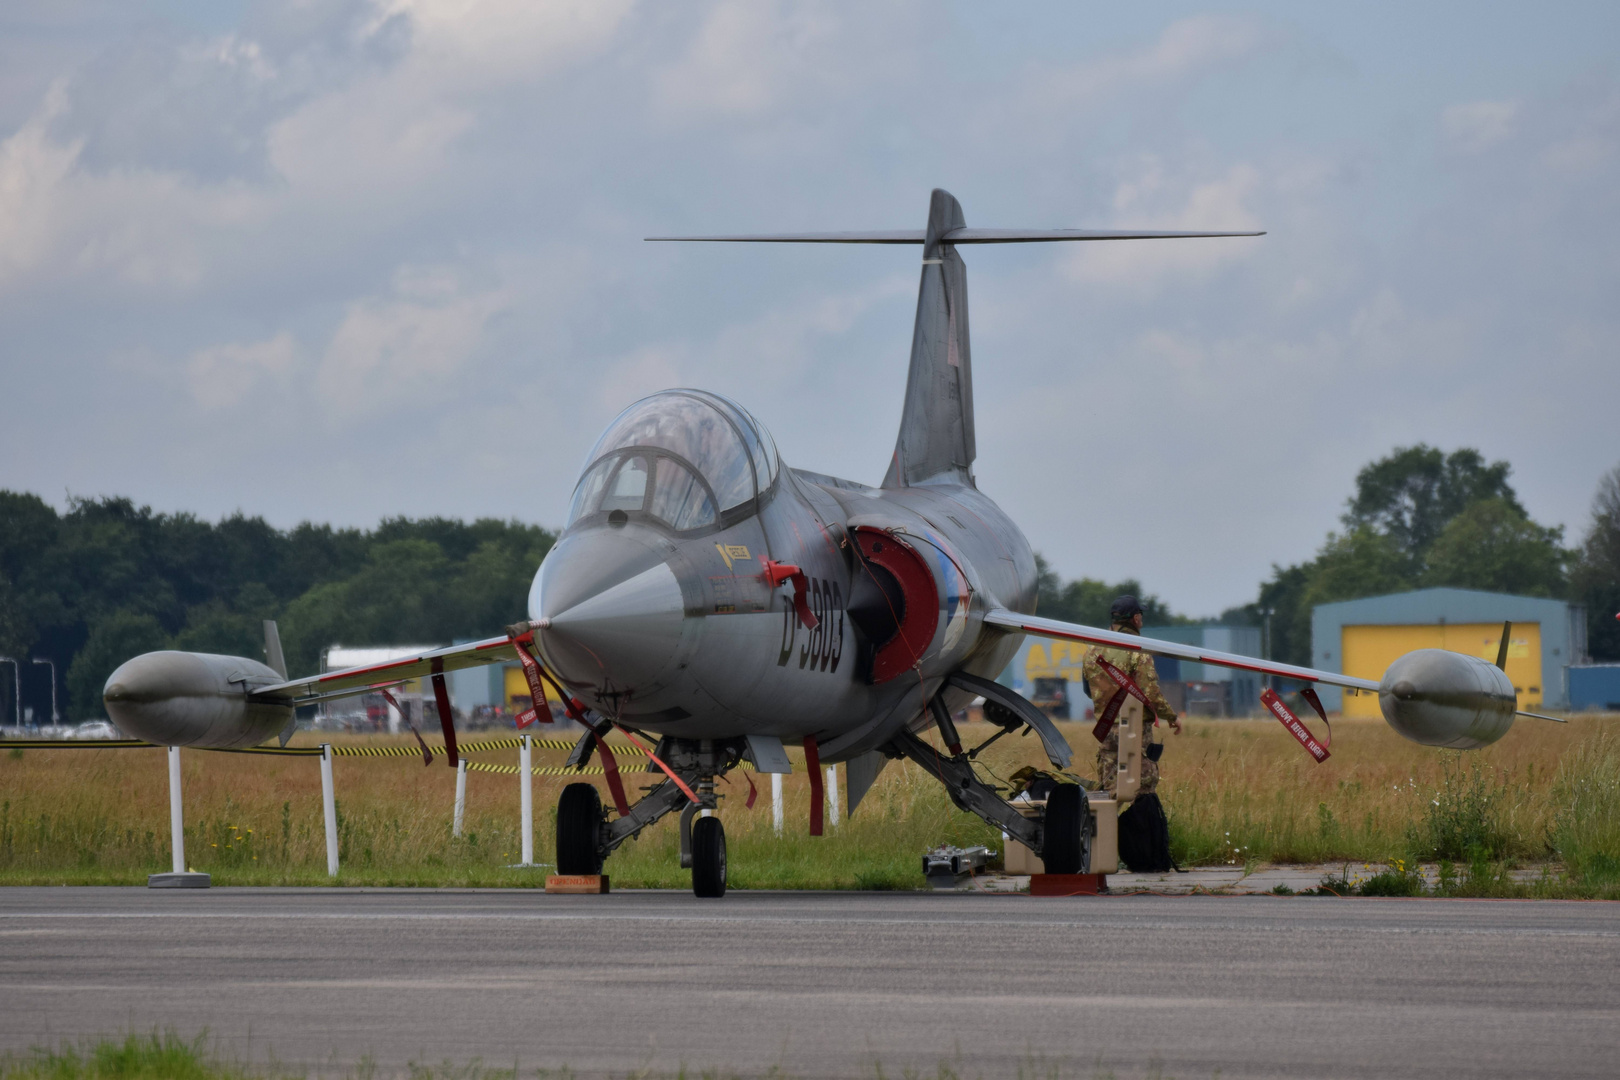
921	617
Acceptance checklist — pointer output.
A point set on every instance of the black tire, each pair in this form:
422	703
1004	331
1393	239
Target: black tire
579	830
1066	814
708	857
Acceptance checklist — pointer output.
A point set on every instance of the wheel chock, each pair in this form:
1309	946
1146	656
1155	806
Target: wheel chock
579	884
1067	884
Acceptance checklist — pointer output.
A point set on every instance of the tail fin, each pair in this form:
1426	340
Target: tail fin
936	428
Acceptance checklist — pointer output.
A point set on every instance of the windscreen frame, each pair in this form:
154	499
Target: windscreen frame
611	461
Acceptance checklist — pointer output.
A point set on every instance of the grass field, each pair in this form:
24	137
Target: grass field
166	1055
1237	791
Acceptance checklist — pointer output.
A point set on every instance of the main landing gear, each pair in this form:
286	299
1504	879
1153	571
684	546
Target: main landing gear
1062	834
585	836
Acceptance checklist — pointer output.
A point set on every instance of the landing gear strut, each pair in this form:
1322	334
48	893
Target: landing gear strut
1061	836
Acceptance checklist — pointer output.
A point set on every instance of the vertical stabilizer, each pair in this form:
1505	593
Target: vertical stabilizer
936	429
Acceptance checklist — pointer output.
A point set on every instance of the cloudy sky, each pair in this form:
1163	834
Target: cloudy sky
348	260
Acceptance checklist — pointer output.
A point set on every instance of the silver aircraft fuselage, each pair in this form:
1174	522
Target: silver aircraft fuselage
687	637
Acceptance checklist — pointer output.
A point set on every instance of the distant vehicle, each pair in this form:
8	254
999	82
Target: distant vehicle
96	729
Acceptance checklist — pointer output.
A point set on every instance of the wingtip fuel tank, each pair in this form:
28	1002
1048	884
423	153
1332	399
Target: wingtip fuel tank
194	699
1441	698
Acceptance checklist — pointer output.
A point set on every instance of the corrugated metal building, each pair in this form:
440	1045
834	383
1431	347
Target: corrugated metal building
1362	637
1207	690
1595	686
1048	672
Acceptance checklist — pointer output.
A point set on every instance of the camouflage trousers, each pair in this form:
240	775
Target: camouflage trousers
1108	766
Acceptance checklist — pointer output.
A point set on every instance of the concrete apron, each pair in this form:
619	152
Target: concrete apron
1231	880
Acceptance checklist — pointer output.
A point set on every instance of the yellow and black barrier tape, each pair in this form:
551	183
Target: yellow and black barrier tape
472	748
535	770
551	770
396	751
404	750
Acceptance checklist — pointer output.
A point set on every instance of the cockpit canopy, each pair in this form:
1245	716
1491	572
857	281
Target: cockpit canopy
686	458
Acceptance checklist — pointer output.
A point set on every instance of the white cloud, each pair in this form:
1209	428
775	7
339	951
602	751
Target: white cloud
403	348
1185	49
459	45
1152	198
33	169
745	55
221	376
147	228
1479	125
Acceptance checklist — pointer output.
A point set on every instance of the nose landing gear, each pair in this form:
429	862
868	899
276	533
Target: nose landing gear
703	843
585	836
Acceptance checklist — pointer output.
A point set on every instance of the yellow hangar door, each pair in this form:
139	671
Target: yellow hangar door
517	689
1369	650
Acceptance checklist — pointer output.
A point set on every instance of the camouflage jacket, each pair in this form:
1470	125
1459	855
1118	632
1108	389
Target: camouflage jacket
1138	665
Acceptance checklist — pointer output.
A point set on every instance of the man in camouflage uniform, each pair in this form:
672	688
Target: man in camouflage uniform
1126	617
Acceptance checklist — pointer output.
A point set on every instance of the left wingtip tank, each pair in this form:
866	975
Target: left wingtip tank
174	698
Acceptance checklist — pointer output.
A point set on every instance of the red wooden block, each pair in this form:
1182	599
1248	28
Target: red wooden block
588	884
1066	884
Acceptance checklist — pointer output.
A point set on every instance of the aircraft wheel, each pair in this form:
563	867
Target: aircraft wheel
1066	821
708	857
579	830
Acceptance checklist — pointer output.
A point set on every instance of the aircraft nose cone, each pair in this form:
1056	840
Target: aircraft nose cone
611	615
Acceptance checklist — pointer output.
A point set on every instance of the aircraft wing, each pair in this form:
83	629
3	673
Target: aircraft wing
357	680
1091	635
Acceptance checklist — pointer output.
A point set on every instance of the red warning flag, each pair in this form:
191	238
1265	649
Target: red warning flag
812	764
538	709
1298	730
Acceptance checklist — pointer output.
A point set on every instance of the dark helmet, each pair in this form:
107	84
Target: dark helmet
1125	608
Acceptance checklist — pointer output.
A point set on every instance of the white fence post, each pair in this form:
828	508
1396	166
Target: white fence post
832	795
526	798
461	797
177	825
329	801
776	802
181	878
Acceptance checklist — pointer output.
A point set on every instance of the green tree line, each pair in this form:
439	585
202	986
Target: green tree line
106	580
1087	600
1421	518
1418	518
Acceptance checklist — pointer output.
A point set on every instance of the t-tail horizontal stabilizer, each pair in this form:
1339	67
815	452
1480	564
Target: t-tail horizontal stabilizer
962	235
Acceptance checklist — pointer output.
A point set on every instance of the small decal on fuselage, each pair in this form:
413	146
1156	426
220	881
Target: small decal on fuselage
733	553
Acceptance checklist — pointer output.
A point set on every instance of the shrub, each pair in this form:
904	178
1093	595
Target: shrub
1464	818
1398	880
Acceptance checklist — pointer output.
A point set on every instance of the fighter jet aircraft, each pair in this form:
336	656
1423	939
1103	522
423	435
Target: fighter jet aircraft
707	595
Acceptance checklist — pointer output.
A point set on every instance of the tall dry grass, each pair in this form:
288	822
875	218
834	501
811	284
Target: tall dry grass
1236	792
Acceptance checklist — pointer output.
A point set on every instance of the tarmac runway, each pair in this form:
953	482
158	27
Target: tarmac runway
829	984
